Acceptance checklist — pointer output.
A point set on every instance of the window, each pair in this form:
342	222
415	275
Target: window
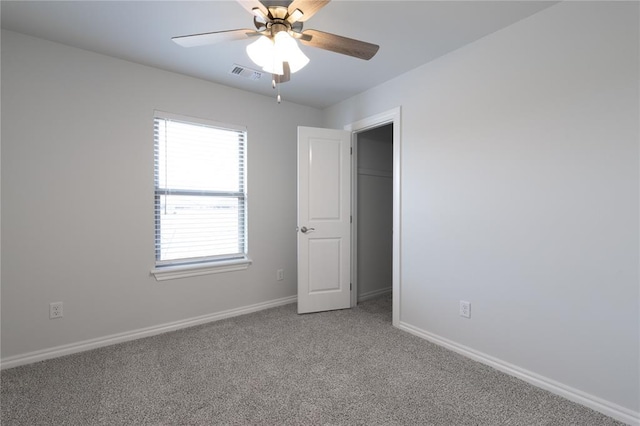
200	197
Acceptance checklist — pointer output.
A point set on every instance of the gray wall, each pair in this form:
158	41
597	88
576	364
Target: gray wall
77	195
375	211
520	194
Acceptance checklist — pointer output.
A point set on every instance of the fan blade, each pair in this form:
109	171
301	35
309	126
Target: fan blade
339	44
214	37
307	7
249	5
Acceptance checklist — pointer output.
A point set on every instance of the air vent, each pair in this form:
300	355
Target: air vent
245	72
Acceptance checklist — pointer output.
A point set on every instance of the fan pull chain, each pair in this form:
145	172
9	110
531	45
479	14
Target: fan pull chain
276	86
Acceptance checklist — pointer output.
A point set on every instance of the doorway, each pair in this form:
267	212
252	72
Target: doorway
381	126
373	213
329	173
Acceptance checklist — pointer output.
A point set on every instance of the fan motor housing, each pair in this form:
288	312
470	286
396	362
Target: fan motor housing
277	20
276	27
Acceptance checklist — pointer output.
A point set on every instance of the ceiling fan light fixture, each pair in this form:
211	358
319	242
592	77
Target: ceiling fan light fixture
261	51
269	54
287	50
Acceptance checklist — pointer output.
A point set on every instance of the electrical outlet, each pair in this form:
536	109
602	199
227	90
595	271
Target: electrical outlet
280	274
465	309
55	310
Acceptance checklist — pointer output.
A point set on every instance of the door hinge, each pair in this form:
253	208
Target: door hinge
351	151
350	219
350	286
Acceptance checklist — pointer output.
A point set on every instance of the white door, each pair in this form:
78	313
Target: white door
324	219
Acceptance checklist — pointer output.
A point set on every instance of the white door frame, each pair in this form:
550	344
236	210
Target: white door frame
391	116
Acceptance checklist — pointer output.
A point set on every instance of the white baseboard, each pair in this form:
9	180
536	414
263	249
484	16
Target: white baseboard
85	345
598	404
373	294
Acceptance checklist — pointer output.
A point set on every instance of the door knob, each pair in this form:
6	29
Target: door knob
305	230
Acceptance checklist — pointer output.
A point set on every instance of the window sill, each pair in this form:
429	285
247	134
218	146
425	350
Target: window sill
184	271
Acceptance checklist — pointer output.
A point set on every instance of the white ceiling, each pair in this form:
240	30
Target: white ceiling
410	33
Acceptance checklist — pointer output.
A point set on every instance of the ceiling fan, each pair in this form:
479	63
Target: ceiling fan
278	24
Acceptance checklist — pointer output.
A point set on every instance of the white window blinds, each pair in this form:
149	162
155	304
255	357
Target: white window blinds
200	191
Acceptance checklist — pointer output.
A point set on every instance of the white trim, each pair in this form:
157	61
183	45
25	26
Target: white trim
354	219
391	116
198	120
183	271
373	294
595	403
85	345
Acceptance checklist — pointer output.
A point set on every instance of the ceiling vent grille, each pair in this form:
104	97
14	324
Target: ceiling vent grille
245	72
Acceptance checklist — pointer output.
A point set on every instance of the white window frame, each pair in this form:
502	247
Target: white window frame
220	264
